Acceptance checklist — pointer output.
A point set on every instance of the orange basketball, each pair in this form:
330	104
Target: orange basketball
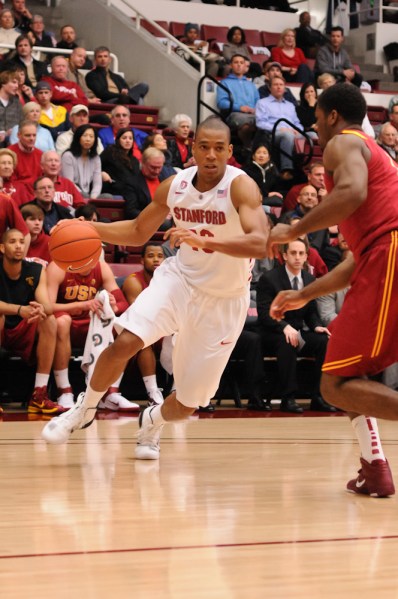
75	246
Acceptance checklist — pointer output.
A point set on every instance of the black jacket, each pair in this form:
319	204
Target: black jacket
123	175
39	68
268	287
60	211
96	81
175	156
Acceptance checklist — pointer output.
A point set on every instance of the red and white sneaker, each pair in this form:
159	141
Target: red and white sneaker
40	403
374	479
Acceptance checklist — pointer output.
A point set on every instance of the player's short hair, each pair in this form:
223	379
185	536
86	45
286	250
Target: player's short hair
215	123
150	244
7	233
346	100
31	210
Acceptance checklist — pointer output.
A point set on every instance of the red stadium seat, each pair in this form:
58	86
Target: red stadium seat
253	37
109	208
177	29
213	32
151	29
377	115
270	38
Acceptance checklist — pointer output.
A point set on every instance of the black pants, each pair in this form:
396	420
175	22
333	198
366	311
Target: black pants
286	355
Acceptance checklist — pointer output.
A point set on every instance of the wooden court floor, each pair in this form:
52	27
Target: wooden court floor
237	508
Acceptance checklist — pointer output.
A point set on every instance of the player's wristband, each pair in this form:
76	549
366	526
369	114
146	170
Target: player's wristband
19	311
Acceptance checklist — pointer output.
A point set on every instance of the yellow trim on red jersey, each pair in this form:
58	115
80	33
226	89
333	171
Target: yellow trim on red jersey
387	291
354	132
341	363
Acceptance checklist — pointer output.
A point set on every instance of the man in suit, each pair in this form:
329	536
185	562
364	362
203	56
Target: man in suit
299	333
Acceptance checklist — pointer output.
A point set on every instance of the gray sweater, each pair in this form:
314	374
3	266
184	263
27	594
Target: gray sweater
11	114
331	62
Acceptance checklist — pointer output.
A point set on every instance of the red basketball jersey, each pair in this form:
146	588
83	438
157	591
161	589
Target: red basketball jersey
79	288
378	214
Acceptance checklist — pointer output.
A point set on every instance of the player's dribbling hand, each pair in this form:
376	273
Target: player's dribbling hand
285	301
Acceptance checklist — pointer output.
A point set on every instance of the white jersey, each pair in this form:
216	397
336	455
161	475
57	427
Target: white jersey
209	214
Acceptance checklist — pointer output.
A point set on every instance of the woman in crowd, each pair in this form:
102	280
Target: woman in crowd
8	33
25	93
156	140
119	165
263	171
31	112
19	192
180	145
292	59
81	163
306	109
236	44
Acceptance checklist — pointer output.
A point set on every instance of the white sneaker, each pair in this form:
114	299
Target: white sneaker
116	402
155	397
58	430
148	437
66	400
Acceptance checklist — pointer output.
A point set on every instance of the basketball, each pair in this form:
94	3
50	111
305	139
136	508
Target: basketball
75	246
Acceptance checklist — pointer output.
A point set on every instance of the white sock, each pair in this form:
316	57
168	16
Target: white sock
41	379
156	415
367	432
62	378
92	398
150	382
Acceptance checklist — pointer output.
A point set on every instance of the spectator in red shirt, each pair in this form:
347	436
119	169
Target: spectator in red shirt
64	93
11	218
28	168
66	192
180	147
292	59
18	191
38	250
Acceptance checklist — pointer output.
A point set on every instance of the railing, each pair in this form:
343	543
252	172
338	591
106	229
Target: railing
201	102
170	41
305	158
37	50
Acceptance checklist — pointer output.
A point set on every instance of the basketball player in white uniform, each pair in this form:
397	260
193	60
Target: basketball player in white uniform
202	293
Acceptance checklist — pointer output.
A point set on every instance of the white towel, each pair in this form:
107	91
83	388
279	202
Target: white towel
99	335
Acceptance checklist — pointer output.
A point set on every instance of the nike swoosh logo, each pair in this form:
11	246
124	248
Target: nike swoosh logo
226	342
72	269
360	484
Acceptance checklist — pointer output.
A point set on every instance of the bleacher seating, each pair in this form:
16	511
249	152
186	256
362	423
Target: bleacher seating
149	27
142	117
377	115
212	33
269	38
177	29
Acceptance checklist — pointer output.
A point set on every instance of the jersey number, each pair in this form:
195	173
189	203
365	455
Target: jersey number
203	233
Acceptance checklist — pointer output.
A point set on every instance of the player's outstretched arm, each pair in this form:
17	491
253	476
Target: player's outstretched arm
336	279
140	230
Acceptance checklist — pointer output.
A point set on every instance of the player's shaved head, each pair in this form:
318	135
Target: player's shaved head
213	123
9	233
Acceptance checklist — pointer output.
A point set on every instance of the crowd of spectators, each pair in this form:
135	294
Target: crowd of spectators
55	158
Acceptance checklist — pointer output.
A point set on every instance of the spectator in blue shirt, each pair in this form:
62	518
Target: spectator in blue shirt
244	95
268	111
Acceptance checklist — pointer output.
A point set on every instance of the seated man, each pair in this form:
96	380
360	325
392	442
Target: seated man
38	249
300	333
10	106
44	197
109	86
120	119
245	97
334	59
26	316
308	38
268	112
52	117
28	166
144	185
76	61
72	296
151	257
66	192
316	178
64	93
34	69
274	69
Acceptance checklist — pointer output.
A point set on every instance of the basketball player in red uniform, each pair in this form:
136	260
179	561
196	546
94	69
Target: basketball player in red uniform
202	293
73	298
362	183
